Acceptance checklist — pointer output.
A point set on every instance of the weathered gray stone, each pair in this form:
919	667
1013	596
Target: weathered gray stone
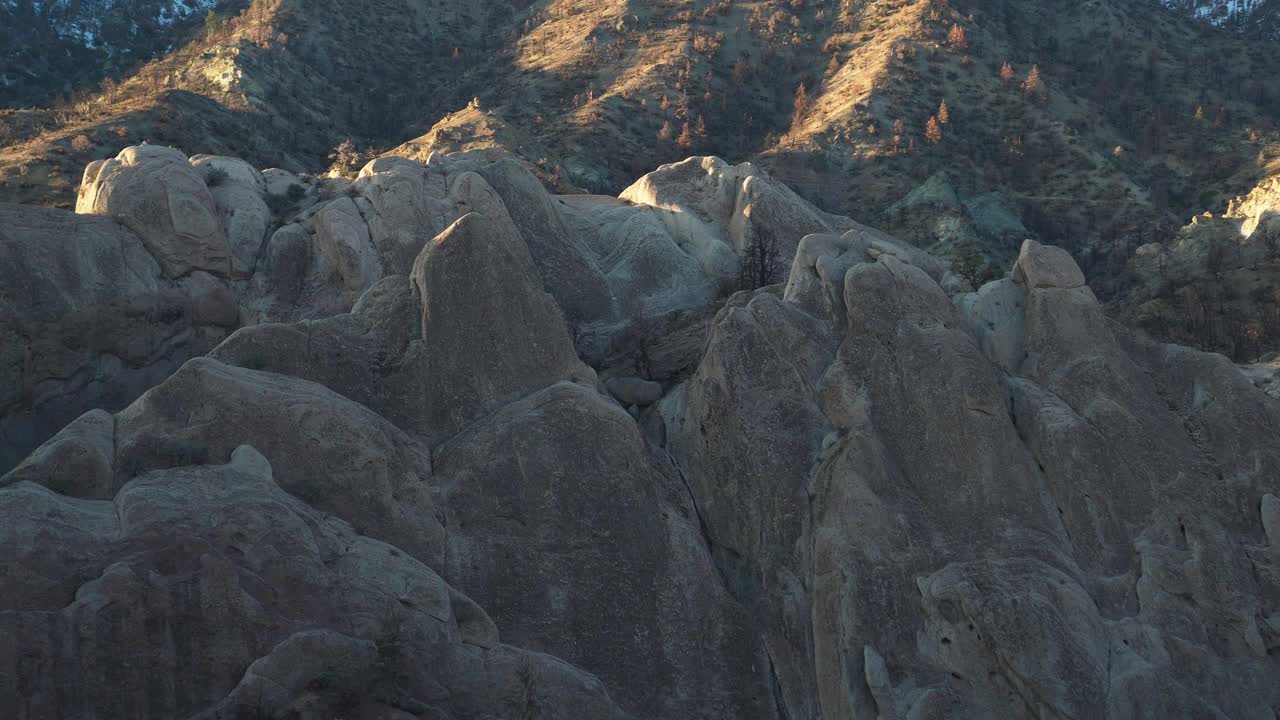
238	193
1271	519
467	326
79	461
282	609
558	529
333	453
154	191
1046	266
634	391
717	211
88	320
864	493
995	315
343	247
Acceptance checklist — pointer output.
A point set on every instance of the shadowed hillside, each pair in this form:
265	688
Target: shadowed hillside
1099	126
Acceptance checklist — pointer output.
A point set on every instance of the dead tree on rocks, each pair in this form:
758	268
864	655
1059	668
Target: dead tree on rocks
761	264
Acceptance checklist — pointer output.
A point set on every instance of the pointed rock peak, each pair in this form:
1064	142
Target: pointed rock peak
476	236
1046	266
490	333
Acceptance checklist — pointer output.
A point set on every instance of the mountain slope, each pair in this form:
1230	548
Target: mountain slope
1251	17
54	48
1145	118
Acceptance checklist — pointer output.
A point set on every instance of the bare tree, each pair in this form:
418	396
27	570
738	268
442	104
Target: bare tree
761	264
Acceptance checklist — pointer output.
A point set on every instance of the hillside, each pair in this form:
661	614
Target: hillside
50	49
1146	118
1255	18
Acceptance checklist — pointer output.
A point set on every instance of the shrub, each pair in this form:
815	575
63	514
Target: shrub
346	158
215	177
286	201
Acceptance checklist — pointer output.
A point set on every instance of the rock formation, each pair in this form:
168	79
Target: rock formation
478	451
1216	284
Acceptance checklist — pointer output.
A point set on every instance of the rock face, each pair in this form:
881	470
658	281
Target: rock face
1216	283
400	491
333	618
89	320
154	191
930	525
467	326
238	191
718	211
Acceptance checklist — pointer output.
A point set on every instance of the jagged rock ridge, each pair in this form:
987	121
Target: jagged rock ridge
408	485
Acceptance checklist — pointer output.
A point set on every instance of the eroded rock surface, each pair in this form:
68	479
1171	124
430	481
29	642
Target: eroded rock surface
154	191
477	451
89	320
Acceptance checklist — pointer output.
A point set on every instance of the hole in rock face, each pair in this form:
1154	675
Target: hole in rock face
946	641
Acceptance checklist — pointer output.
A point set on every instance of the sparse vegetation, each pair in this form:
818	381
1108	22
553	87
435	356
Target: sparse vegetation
346	159
215	176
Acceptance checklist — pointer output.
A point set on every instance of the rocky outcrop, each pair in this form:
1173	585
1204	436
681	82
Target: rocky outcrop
1216	283
239	194
928	524
154	191
284	611
863	490
89	320
466	324
718	212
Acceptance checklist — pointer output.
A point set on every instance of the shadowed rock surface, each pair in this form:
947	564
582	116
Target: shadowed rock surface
478	451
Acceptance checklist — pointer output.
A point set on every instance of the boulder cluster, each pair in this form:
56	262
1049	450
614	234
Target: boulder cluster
435	443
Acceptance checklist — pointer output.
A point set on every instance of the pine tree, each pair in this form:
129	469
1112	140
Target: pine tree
933	131
1198	118
666	133
1034	85
685	141
1006	74
800	105
957	38
944	113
